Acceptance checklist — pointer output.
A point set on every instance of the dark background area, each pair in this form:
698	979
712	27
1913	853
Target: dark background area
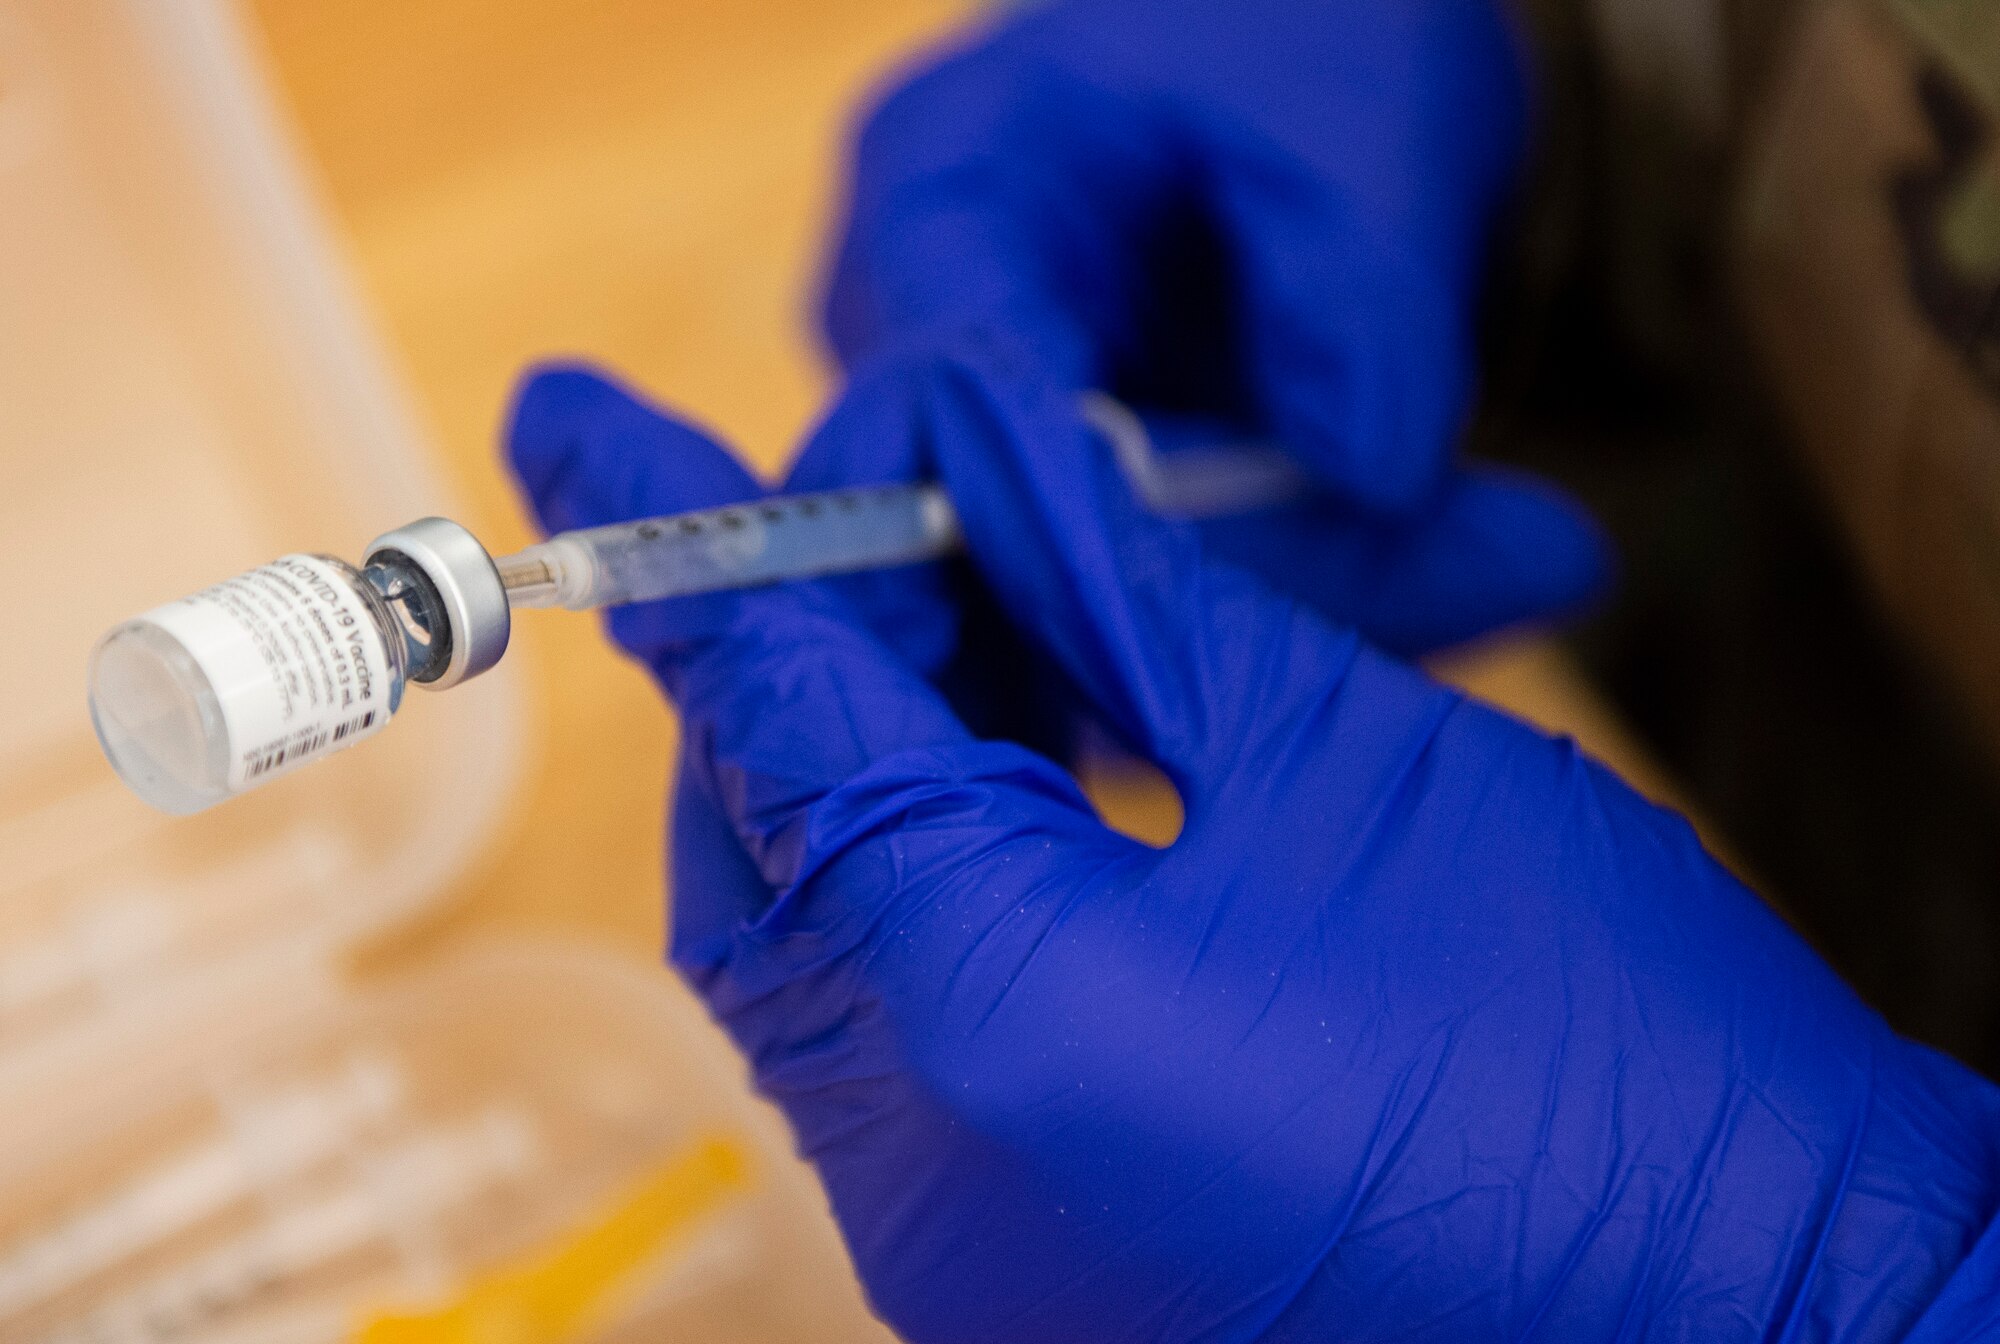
1743	641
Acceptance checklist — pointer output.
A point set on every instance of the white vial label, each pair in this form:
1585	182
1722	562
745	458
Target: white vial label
296	660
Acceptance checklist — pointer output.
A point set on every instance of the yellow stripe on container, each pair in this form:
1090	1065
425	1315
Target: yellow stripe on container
564	1293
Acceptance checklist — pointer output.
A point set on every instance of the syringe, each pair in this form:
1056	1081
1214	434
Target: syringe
204	698
736	546
844	531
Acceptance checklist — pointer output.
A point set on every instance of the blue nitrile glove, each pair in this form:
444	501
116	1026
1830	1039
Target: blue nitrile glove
1426	1028
1270	211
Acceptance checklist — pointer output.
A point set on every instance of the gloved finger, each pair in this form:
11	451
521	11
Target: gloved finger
587	451
716	888
1498	549
1355	242
1317	255
938	617
1361	367
1181	656
785	700
974	201
873	435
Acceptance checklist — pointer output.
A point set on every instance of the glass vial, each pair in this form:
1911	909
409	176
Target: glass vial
240	683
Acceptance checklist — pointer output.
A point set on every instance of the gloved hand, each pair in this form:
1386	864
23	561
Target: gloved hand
1271	212
1426	1028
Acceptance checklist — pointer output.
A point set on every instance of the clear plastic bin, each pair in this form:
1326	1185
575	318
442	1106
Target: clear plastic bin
187	389
470	1114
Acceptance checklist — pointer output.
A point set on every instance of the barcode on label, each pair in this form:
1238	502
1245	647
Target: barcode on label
366	721
294	750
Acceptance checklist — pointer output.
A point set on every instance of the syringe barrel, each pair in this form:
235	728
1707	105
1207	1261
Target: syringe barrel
735	546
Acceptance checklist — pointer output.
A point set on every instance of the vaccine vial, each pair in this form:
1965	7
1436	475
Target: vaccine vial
197	701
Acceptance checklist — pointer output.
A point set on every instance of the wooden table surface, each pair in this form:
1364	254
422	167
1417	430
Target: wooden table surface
644	185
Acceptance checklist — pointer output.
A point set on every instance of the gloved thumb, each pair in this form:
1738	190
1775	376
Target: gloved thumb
1184	657
1499	548
1356	264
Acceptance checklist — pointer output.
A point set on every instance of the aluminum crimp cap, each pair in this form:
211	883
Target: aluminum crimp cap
467	582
